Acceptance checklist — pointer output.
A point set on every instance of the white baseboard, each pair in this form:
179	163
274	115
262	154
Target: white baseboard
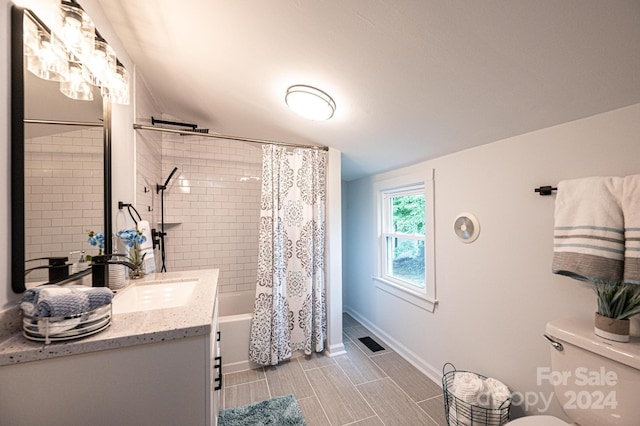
335	350
430	371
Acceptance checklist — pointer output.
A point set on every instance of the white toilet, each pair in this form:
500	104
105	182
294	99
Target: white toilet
596	381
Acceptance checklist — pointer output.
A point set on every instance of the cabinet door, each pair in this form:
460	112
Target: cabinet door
216	366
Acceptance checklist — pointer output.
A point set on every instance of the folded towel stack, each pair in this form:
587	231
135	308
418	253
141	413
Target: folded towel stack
631	211
56	301
589	230
597	230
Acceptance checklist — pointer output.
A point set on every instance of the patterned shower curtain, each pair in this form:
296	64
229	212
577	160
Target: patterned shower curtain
289	311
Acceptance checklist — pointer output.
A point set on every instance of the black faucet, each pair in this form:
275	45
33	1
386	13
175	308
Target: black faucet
58	268
100	270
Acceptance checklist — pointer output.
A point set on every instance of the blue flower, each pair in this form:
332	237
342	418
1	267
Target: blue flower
131	237
96	239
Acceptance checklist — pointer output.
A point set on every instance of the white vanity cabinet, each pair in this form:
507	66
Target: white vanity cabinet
215	367
167	377
166	383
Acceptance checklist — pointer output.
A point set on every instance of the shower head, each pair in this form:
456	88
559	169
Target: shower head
166	183
195	130
175	169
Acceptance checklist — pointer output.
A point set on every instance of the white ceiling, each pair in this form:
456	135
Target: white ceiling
412	80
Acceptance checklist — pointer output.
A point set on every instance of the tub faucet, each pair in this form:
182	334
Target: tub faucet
100	268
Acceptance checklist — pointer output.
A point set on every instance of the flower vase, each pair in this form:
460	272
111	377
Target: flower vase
136	259
116	277
137	273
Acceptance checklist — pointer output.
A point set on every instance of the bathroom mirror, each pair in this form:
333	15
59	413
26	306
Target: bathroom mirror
60	169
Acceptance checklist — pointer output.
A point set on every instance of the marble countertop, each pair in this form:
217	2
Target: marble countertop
129	329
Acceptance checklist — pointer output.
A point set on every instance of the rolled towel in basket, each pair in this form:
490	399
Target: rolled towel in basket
467	386
76	302
98	297
471	390
33	295
63	305
499	392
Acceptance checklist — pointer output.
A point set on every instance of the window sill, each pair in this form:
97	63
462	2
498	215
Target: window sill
420	300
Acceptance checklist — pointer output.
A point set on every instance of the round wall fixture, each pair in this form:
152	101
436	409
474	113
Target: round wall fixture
466	227
310	102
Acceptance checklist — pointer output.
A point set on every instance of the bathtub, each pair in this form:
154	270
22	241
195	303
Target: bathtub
234	319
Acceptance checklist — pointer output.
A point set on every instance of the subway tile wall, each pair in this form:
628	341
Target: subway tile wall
63	194
212	207
148	175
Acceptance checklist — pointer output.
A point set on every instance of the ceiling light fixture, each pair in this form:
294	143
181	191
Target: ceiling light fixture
310	102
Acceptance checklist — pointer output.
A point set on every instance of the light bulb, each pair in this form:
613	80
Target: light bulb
76	87
50	62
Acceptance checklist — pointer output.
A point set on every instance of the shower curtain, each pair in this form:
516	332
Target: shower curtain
289	311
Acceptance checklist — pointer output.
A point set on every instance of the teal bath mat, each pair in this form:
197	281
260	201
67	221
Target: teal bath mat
278	411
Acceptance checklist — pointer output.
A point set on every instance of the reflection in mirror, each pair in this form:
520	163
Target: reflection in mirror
60	171
63	172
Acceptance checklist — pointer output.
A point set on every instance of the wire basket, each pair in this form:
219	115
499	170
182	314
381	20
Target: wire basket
461	413
57	329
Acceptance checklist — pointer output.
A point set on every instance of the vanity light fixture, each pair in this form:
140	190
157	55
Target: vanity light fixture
119	85
76	87
310	102
76	29
49	59
75	54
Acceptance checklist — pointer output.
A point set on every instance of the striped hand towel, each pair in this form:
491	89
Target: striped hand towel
589	230
631	212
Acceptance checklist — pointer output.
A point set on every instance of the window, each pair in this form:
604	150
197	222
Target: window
406	244
403	235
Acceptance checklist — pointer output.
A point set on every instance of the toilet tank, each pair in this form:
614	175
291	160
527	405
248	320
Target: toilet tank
596	381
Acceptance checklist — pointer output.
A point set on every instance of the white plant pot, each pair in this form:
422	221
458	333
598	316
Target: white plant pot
612	329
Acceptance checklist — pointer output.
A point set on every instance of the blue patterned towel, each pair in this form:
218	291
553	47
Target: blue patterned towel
32	295
63	305
76	302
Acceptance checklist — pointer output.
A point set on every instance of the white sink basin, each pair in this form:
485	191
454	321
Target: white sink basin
150	296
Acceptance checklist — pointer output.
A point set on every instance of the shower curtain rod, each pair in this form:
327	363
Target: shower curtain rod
227	137
63	123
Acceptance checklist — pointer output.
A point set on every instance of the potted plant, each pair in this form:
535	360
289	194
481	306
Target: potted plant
133	238
616	304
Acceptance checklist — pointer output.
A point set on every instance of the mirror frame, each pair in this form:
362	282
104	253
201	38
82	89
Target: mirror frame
18	284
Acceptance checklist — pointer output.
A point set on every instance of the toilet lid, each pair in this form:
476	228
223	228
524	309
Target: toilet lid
537	421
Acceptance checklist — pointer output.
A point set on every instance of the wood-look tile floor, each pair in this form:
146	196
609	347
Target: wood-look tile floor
360	388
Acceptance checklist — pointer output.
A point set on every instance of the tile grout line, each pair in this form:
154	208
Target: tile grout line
425	411
366	418
360	393
315	394
245	383
402	389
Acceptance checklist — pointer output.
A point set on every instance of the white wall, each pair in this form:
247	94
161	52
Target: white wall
496	294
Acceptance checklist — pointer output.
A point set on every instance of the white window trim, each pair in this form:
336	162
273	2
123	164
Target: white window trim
424	298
